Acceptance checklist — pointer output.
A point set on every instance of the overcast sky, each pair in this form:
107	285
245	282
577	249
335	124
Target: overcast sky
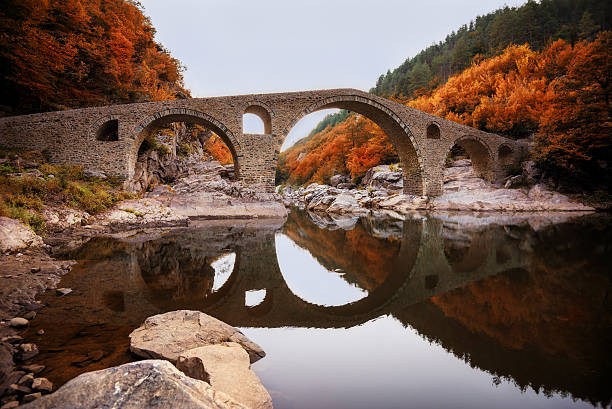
233	47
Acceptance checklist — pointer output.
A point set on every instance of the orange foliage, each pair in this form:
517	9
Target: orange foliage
351	147
73	53
367	260
218	150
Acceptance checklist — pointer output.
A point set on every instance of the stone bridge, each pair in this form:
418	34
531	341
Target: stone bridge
108	138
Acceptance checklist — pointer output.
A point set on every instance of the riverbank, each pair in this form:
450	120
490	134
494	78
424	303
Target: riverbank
462	191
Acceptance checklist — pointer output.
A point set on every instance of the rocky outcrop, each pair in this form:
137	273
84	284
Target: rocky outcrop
143	384
169	335
62	218
14	235
462	191
226	368
153	168
204	190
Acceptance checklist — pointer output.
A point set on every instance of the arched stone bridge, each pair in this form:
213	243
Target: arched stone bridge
108	138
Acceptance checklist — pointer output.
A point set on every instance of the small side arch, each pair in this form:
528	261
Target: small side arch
480	154
264	112
432	131
105	129
168	116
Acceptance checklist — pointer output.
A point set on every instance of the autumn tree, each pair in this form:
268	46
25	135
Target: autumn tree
76	53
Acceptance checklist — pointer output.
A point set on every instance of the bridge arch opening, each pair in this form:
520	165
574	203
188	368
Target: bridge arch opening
363	118
478	153
433	131
108	131
257	120
180	133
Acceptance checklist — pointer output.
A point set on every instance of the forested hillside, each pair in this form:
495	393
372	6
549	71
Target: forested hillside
537	85
534	23
59	54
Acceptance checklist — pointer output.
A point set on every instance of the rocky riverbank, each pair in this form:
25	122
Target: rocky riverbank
198	362
462	191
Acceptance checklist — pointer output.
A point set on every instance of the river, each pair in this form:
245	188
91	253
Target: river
443	310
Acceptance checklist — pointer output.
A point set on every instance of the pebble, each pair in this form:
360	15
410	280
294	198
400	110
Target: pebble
34	368
41	332
18	322
26	380
35	270
13	339
32	396
30	315
19	388
27	351
42	384
63	291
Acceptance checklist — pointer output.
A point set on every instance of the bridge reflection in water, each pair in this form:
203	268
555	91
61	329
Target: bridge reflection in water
501	297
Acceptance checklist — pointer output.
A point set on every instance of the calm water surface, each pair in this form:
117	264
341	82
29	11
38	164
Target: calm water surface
431	312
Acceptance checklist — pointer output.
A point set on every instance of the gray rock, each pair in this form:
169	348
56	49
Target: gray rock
94	174
385	177
168	335
143	384
15	235
42	384
337	179
346	186
226	368
31	397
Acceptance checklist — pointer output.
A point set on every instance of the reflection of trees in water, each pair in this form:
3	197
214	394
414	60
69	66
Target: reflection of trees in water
548	327
366	260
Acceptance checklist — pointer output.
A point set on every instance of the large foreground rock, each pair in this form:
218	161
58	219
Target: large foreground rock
143	384
226	368
168	335
15	235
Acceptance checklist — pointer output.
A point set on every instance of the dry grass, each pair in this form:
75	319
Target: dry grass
24	197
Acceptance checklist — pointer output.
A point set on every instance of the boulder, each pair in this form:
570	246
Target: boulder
226	368
346	203
168	335
15	235
384	177
94	174
337	179
142	384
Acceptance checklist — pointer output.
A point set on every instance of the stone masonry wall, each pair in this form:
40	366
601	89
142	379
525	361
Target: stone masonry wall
70	136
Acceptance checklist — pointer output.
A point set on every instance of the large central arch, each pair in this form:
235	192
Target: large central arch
168	116
396	130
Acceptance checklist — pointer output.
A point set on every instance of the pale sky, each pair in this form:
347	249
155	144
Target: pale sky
233	47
